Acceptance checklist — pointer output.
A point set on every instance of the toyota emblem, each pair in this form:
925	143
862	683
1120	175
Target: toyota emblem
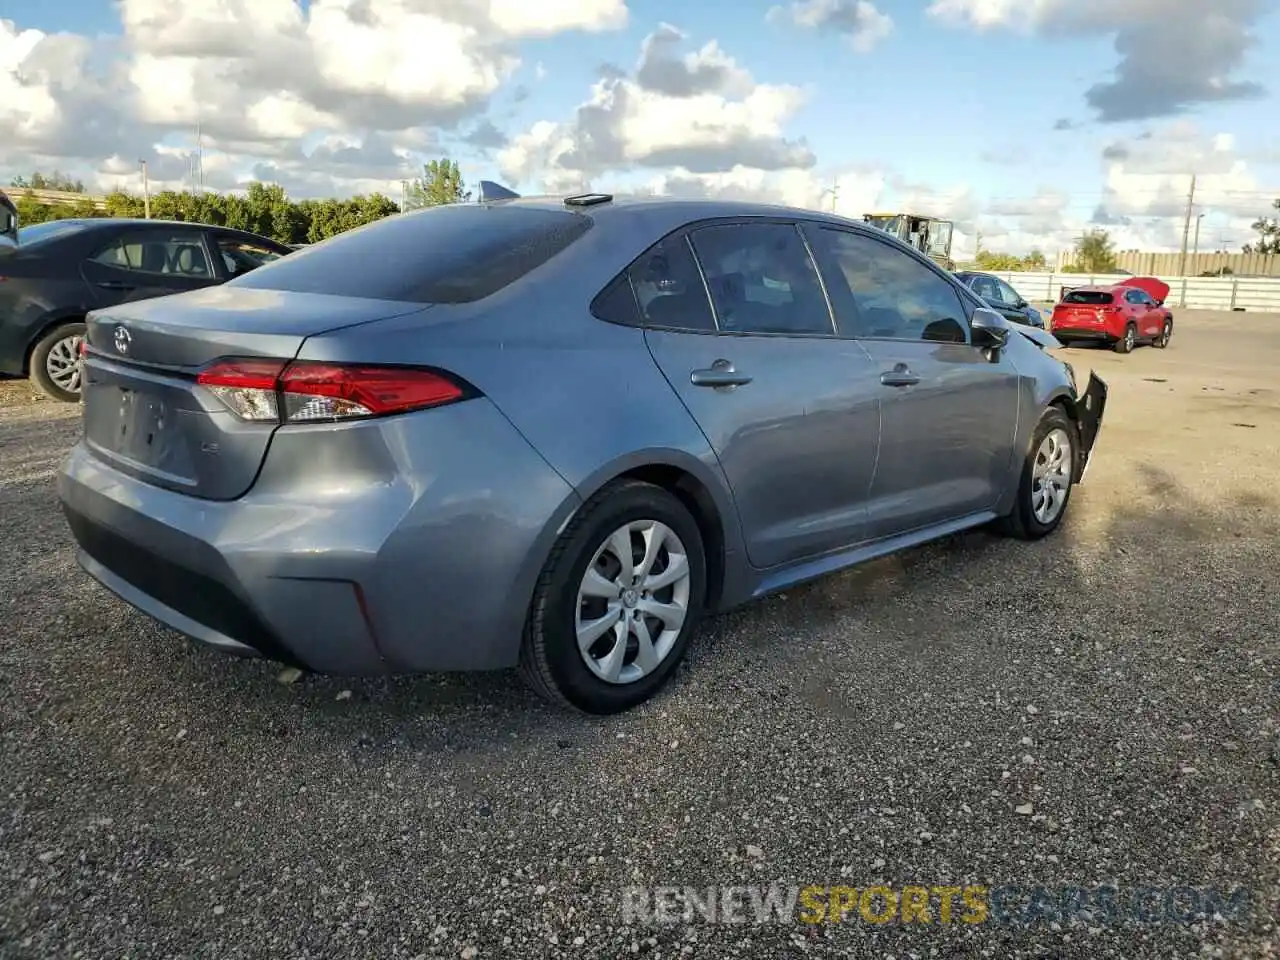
122	340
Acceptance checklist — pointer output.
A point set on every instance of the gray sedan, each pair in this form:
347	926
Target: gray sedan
552	434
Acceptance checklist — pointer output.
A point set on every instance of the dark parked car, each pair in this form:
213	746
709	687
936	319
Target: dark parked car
552	433
1001	297
59	271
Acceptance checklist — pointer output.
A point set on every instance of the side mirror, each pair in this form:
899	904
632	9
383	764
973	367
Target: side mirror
990	329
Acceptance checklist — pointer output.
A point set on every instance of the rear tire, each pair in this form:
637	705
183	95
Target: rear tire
1047	478
1166	332
55	362
1126	343
584	584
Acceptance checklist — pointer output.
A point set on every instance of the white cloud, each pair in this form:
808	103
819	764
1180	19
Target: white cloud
860	21
261	76
1174	54
701	112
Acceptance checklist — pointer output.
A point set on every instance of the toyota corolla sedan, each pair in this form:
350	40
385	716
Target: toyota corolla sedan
552	434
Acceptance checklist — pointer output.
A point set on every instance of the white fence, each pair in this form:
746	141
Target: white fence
1256	294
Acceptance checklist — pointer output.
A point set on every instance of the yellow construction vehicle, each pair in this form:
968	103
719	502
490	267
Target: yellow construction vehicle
930	236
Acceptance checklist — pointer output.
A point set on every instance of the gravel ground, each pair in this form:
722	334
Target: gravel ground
884	725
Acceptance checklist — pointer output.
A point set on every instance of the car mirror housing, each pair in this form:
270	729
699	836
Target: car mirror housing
990	329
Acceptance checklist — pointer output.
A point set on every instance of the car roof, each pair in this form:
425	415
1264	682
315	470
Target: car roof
674	212
104	223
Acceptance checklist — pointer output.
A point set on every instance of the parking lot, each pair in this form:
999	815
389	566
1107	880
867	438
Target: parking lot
888	725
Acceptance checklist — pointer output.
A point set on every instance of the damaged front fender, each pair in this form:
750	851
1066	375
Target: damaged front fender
1089	408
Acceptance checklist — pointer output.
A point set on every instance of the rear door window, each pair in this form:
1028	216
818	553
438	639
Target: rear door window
178	253
986	288
762	279
451	254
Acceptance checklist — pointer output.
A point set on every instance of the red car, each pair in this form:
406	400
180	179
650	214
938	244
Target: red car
1122	315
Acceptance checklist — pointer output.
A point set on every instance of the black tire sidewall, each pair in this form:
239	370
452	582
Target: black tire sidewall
570	674
39	354
1124	344
1166	334
1052	419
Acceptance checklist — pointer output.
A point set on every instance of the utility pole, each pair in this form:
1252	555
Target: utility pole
1195	247
835	192
199	159
1186	227
146	191
404	194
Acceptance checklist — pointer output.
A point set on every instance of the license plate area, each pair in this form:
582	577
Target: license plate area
142	425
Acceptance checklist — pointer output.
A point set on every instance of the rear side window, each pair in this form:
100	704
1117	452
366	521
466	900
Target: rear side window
1091	297
450	254
669	288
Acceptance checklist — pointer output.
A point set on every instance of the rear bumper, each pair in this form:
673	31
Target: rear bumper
404	569
1089	334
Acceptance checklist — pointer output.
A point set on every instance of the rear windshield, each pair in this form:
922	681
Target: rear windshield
40	232
450	254
1087	296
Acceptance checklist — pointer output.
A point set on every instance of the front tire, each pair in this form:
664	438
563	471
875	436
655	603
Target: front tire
1126	343
1048	476
617	601
1166	332
55	362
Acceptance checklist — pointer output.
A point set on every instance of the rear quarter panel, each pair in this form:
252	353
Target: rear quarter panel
586	394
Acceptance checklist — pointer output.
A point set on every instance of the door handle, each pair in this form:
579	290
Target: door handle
719	374
115	285
899	376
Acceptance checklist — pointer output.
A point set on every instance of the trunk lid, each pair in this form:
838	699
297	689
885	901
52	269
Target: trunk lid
1156	289
145	415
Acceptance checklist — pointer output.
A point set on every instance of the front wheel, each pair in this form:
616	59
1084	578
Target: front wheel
1048	475
1125	344
617	601
55	362
1166	332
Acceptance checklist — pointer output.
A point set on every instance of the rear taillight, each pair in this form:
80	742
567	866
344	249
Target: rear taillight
275	391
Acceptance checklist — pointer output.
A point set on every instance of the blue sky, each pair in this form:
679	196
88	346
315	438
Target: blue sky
944	109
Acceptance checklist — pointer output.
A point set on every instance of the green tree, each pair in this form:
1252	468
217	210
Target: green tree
1095	253
440	183
1268	230
1035	261
49	181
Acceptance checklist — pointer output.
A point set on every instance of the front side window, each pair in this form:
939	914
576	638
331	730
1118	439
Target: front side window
894	295
173	254
762	279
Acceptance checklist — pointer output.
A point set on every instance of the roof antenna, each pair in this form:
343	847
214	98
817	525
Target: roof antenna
494	191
